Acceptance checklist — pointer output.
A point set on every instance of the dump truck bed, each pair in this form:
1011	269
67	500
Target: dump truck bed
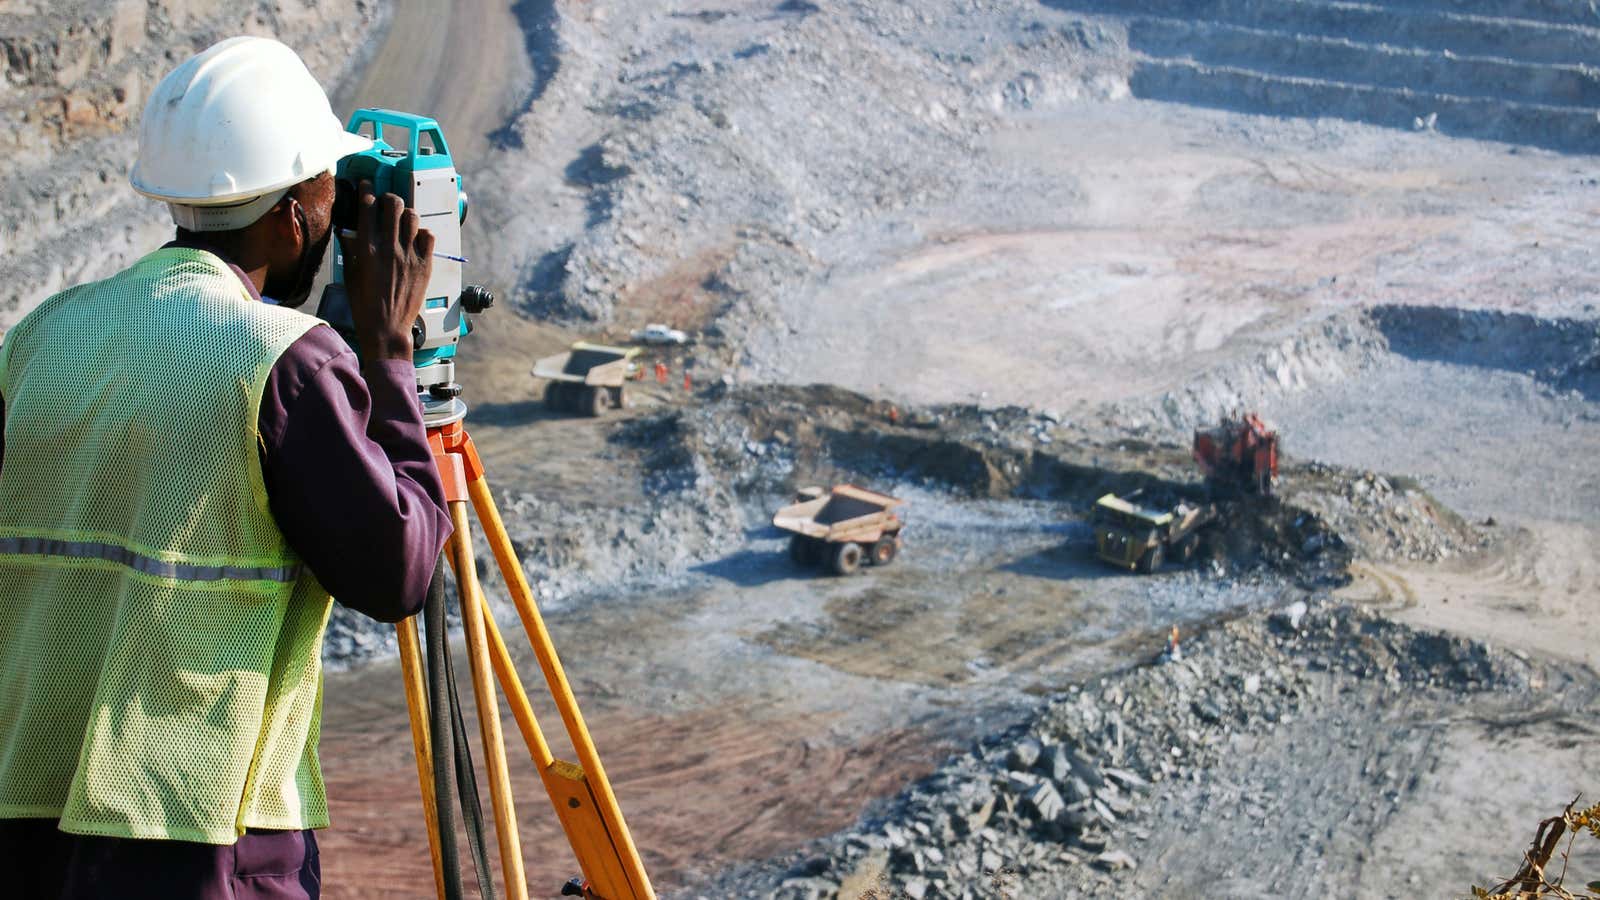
1131	536
1112	508
847	513
591	364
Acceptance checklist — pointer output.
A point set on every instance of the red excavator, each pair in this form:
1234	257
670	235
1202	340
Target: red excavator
1238	455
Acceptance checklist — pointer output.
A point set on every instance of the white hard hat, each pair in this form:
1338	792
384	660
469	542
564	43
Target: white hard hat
227	133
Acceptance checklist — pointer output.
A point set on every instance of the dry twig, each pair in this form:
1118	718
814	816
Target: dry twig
1531	880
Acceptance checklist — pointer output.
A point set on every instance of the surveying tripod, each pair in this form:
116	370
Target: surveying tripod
580	792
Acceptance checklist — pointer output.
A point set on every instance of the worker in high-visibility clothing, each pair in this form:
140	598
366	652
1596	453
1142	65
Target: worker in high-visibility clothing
189	468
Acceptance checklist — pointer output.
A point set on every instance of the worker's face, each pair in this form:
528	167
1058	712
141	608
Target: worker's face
310	204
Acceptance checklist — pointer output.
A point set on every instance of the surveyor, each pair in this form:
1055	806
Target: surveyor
189	468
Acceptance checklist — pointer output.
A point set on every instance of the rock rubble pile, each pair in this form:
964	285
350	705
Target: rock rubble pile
1325	351
1060	805
1390	519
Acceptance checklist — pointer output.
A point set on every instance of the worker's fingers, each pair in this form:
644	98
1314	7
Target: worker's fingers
390	208
366	213
409	223
423	248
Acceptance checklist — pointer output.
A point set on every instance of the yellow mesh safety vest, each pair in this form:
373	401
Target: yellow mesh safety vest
160	671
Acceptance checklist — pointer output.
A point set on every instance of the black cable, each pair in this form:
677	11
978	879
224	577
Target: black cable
467	787
440	730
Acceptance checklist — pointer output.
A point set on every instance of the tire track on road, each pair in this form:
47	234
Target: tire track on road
462	63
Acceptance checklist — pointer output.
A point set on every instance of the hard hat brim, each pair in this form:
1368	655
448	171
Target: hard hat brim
352	144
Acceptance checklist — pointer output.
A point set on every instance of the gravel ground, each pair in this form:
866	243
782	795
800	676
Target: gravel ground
1308	732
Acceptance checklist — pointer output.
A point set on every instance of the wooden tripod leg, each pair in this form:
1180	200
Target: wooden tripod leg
494	747
560	689
516	695
421	743
569	790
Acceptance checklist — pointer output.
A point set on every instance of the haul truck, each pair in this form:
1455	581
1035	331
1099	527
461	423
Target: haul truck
1136	538
842	528
588	379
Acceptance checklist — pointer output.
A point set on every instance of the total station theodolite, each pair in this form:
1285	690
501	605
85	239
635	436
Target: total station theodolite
418	168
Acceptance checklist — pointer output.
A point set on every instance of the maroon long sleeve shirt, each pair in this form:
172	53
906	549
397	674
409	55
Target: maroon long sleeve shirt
349	475
352	485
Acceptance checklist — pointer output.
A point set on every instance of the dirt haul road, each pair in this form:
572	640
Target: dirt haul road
460	62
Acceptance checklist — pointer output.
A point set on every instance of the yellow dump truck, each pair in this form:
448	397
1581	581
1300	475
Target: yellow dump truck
587	379
1137	538
842	528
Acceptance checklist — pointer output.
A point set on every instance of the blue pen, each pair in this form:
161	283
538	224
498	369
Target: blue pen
349	235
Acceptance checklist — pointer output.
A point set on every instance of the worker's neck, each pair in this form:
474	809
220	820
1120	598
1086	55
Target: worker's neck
236	253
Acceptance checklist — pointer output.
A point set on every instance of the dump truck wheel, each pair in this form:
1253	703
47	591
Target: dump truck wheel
1151	560
802	550
552	396
883	551
565	397
619	397
846	559
593	402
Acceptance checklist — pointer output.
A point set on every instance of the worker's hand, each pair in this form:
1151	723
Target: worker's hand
387	265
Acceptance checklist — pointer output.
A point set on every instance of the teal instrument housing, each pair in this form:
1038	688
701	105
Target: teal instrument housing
410	158
389	168
418	147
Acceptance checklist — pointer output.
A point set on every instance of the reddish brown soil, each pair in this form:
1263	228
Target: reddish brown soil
700	790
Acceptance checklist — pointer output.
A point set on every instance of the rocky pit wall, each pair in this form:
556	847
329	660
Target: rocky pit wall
1495	69
712	180
1561	353
77	75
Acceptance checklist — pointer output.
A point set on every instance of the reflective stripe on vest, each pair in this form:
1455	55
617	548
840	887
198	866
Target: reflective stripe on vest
144	564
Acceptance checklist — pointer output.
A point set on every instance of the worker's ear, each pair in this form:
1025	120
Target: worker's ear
283	226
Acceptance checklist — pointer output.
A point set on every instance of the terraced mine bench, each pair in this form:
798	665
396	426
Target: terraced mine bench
1519	71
